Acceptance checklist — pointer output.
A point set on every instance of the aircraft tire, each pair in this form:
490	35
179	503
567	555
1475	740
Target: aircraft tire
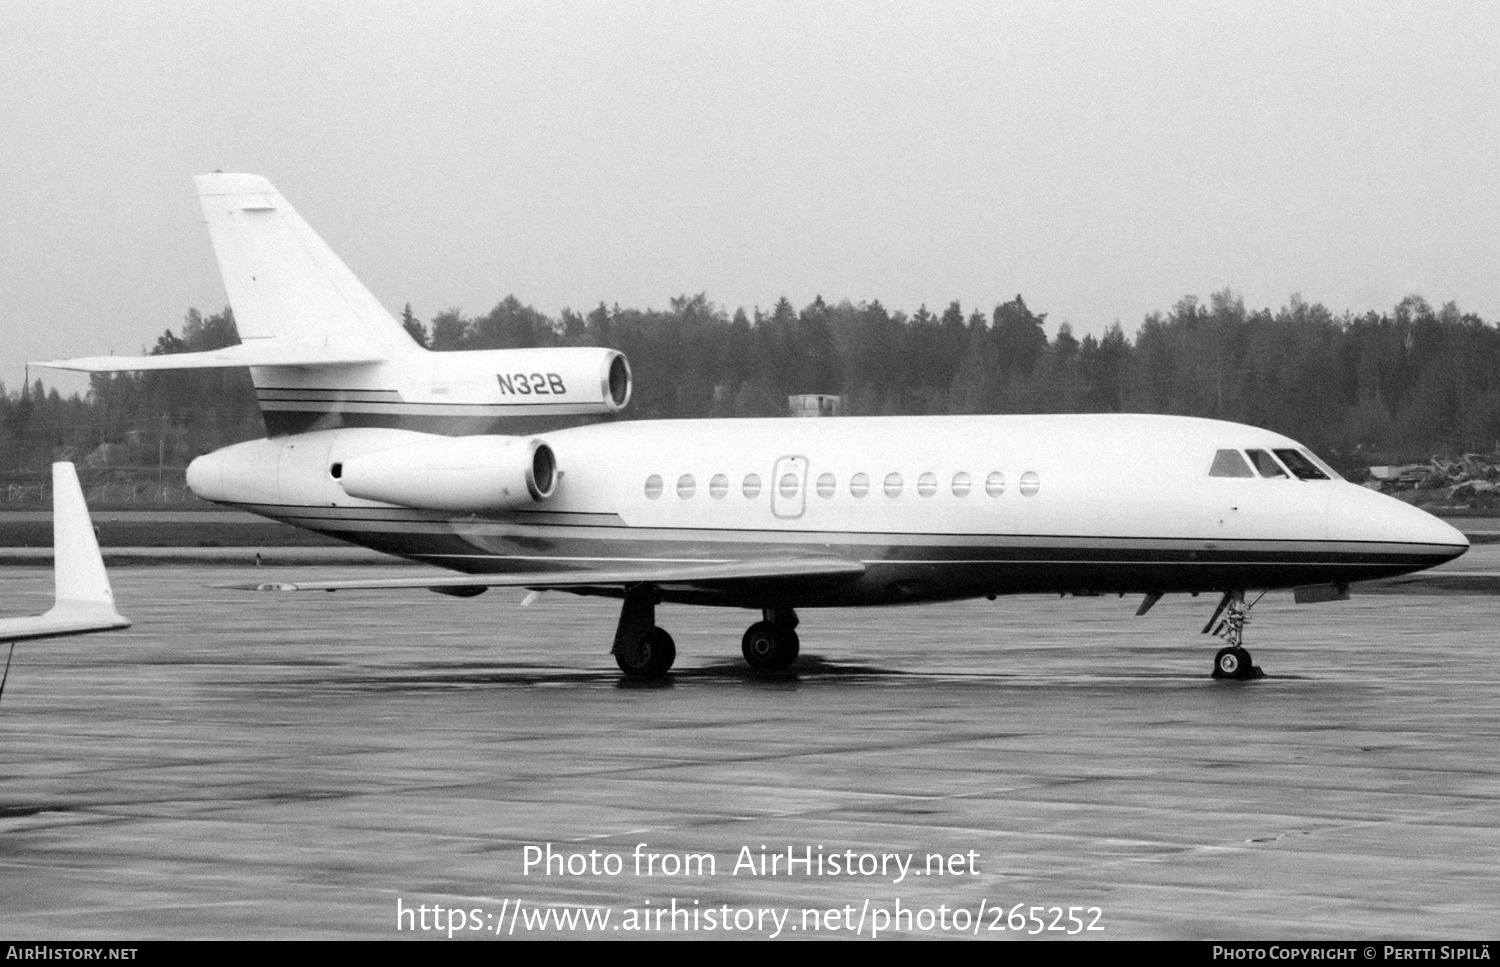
648	657
768	647
1233	663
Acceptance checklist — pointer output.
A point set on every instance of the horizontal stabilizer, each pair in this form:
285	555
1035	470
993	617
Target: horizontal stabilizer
83	599
646	572
62	622
319	352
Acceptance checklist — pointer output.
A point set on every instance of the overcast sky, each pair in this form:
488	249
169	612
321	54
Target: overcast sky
1102	159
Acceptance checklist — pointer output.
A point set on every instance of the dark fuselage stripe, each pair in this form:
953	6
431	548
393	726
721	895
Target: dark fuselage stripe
404	407
561	523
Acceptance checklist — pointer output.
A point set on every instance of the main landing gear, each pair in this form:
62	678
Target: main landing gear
1228	622
771	644
644	651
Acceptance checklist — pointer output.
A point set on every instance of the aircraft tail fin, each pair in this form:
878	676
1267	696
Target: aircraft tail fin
283	281
82	585
82	600
295	302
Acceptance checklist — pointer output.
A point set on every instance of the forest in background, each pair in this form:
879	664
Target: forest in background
1358	389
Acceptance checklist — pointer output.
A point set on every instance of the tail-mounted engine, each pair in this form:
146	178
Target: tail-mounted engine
460	474
562	381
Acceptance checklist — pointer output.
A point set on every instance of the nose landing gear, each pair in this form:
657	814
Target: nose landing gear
1232	663
1228	622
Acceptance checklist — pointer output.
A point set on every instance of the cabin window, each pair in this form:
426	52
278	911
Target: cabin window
1030	483
752	485
1265	463
686	486
994	484
653	487
718	486
826	485
1301	467
961	484
859	485
927	484
893	485
1229	463
789	485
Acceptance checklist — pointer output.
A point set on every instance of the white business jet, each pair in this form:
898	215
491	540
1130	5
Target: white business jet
83	601
437	457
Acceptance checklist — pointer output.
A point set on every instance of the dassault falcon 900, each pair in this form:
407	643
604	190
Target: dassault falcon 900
375	440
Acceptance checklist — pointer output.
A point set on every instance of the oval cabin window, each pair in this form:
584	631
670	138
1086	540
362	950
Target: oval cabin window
653	487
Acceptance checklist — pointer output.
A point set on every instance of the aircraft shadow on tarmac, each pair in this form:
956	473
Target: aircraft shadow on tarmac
807	669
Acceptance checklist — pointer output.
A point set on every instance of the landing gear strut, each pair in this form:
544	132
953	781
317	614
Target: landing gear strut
1228	622
642	650
771	644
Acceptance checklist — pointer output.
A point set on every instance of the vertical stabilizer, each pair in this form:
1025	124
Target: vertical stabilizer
83	599
82	585
283	282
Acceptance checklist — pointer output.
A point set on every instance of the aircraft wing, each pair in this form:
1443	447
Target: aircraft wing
316	352
83	599
706	574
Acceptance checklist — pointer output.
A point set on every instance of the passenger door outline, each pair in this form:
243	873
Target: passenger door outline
789	508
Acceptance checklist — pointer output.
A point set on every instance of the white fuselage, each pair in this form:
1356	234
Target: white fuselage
935	507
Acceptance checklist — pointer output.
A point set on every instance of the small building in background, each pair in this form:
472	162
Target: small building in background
815	404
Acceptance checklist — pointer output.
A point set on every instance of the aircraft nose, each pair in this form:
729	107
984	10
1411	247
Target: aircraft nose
205	475
1363	515
1447	542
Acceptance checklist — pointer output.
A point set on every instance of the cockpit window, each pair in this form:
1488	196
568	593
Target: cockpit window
1265	463
1301	467
1322	465
1229	463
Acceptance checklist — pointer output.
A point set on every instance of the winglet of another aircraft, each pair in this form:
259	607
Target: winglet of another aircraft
83	600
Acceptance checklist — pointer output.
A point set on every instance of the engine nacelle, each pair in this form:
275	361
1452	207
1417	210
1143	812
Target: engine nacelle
462	474
563	381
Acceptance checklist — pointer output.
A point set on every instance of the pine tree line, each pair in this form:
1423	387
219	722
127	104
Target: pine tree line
1359	389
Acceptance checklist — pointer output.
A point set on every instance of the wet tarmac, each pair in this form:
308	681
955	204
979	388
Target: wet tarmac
310	766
